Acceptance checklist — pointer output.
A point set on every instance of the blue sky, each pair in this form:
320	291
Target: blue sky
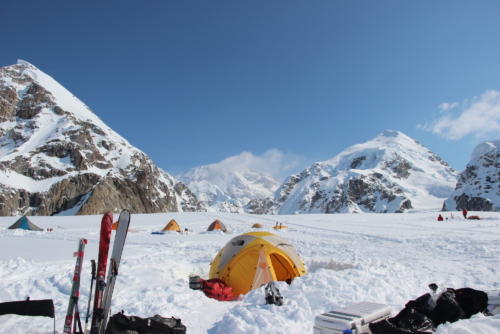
280	83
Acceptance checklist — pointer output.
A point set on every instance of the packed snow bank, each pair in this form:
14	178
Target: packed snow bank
393	257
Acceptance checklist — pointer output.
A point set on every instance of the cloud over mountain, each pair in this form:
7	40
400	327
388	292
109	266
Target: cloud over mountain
272	161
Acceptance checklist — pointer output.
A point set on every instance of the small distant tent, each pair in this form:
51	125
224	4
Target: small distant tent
253	259
257	225
279	227
25	224
172	226
217	225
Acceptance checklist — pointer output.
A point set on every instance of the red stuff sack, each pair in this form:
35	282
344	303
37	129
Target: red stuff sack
217	289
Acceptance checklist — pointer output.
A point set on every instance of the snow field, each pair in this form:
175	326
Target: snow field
393	257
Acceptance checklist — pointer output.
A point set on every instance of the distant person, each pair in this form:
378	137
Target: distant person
186	231
464	212
452	216
440	218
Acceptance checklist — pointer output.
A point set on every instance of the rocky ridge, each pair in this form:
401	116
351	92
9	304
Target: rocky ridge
478	188
391	173
57	156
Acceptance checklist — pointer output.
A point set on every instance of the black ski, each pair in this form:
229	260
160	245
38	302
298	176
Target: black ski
116	255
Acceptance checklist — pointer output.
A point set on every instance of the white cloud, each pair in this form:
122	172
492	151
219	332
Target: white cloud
447	106
480	117
273	162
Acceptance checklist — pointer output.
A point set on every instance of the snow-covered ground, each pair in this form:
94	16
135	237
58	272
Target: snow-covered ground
394	258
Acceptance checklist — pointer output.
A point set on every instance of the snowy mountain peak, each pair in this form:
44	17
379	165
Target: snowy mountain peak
226	182
485	148
392	151
391	173
57	156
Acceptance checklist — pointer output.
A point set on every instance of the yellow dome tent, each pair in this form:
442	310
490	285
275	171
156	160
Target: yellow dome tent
172	226
217	225
257	225
253	259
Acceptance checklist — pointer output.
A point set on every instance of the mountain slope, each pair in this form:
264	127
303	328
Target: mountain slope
478	186
391	173
219	183
57	156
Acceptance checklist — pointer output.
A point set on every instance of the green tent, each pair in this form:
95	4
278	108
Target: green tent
24	224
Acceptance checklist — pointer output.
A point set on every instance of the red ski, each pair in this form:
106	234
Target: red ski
102	262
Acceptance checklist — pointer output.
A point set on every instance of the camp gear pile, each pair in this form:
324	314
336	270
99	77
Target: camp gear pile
423	315
122	324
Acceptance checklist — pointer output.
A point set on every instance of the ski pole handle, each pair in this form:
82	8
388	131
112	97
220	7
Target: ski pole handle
93	269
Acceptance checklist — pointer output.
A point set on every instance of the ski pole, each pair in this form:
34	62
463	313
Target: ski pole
90	295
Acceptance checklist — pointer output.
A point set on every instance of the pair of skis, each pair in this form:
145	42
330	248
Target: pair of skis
104	290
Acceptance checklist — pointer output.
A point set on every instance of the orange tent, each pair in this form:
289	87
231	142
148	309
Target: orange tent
217	225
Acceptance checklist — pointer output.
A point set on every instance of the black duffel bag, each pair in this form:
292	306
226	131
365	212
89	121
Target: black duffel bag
122	324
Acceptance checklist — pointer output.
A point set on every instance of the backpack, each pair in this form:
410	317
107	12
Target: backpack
217	289
122	324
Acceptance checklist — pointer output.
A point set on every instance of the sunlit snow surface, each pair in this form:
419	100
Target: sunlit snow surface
395	257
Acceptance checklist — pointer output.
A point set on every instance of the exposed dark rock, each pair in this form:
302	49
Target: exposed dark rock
8	102
357	162
77	162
